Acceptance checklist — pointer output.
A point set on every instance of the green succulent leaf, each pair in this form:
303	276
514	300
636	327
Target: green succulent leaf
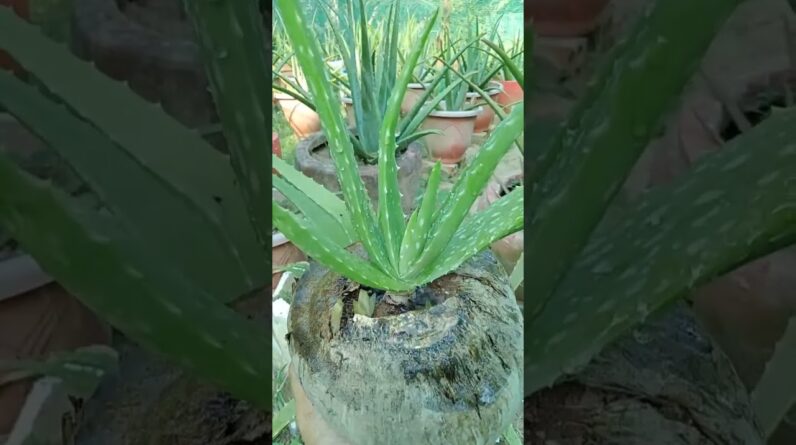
80	370
734	206
311	239
468	187
499	220
575	180
774	396
161	219
420	222
120	114
308	53
365	304
140	293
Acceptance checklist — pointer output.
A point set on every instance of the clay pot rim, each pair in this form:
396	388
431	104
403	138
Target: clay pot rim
280	96
463	114
347	100
418	86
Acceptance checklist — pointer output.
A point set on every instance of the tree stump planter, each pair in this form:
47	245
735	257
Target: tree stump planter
158	58
451	373
664	384
313	159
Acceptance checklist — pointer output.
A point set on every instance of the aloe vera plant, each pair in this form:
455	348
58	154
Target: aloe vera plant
401	254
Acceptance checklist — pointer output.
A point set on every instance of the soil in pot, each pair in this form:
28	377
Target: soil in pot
302	119
314	160
452	369
456	129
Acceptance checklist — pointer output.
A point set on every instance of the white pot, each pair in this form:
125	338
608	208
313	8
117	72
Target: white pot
19	274
277	239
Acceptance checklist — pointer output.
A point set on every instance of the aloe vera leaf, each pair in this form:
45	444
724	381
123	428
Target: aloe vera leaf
391	215
478	231
359	204
507	60
321	219
418	228
231	37
163	145
409	138
166	219
734	206
283	417
518	274
81	370
139	293
774	395
320	194
468	187
602	140
307	237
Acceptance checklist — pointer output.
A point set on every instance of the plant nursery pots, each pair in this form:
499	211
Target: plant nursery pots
151	46
37	318
313	159
484	120
456	129
283	252
412	95
450	373
565	18
302	119
510	94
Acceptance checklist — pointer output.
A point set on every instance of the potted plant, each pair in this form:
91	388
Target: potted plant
511	91
593	284
371	60
394	281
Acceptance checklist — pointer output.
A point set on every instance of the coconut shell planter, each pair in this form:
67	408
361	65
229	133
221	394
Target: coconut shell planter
448	361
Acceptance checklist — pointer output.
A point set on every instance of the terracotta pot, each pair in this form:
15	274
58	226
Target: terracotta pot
413	93
38	318
283	252
302	119
313	159
508	249
510	94
428	361
350	117
565	18
457	134
22	9
484	120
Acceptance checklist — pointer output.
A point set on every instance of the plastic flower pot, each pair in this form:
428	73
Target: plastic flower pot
565	18
510	94
484	120
456	129
413	94
450	373
302	119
